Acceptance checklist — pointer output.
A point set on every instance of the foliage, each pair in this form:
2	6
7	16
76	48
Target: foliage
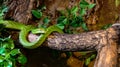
117	3
106	26
74	17
9	55
89	59
45	24
87	56
3	9
37	13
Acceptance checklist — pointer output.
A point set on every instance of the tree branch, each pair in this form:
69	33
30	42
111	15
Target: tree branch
103	41
94	40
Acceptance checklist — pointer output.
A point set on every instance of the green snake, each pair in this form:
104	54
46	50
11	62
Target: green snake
26	29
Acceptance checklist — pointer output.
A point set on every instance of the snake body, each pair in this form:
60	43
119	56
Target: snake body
26	29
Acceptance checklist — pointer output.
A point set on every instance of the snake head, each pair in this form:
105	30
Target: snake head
38	31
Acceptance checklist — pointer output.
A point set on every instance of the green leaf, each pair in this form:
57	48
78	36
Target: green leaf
1	58
74	23
106	26
64	21
83	53
11	44
7	52
1	14
84	26
5	39
5	9
90	6
7	63
8	44
117	3
87	61
46	20
80	19
2	10
22	59
15	52
37	14
60	19
2	50
84	4
82	12
93	56
7	56
60	26
74	10
68	54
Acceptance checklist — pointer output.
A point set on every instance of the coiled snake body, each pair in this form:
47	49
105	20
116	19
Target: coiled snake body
26	29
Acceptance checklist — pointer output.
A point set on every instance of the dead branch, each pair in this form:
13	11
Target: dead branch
104	42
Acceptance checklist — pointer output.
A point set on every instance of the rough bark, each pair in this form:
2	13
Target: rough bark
74	42
107	56
20	10
103	41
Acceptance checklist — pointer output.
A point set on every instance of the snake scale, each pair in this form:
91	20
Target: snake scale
26	29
